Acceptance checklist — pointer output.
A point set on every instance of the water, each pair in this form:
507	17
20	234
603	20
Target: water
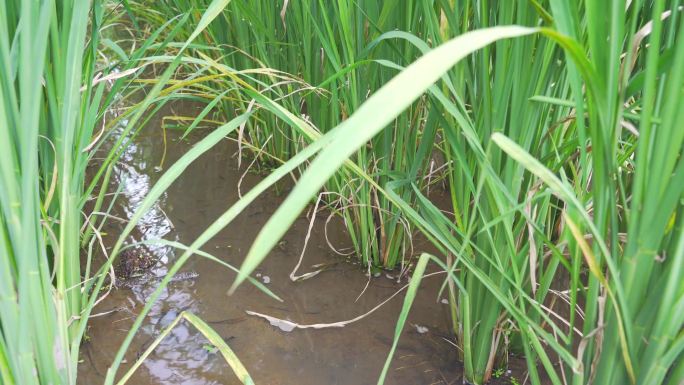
353	354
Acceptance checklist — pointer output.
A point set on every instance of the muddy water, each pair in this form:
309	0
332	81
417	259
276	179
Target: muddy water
353	354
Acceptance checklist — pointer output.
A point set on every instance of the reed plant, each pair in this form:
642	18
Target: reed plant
357	58
501	220
555	126
48	116
627	196
589	118
329	51
55	92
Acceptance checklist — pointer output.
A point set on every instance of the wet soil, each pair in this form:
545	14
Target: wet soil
353	354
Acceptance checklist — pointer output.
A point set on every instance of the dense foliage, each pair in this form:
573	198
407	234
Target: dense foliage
554	127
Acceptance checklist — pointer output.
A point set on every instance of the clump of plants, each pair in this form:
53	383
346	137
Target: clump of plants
546	142
553	127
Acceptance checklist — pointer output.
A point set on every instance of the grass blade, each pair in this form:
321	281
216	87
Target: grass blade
349	136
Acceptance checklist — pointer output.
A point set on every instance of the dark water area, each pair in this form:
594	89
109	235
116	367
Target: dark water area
353	354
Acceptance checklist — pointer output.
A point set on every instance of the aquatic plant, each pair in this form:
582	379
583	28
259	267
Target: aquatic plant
584	207
49	112
54	95
555	127
321	60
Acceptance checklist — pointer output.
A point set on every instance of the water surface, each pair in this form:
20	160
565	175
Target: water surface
350	355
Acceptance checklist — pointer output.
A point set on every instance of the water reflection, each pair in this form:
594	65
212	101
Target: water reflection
183	349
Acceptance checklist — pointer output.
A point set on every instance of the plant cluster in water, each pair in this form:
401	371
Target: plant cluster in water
553	128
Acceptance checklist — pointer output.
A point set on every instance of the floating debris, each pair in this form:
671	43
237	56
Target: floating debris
444	301
266	279
284	325
421	329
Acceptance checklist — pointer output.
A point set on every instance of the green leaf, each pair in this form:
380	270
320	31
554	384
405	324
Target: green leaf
378	111
408	301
